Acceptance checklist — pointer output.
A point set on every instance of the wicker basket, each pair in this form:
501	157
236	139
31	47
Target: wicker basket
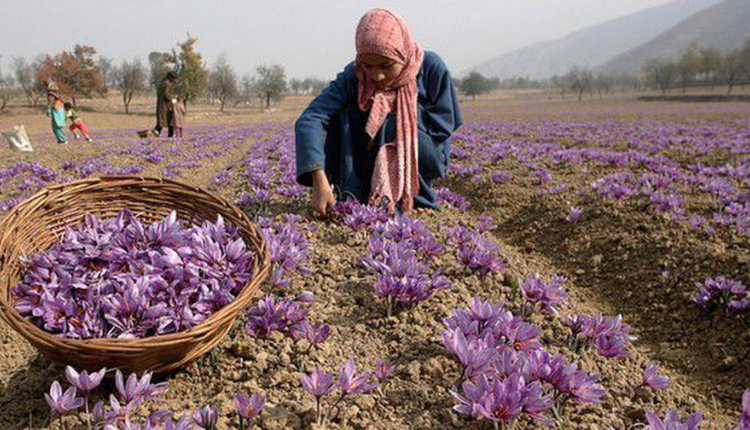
38	222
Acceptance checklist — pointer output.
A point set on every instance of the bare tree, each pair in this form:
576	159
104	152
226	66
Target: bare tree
223	81
732	70
246	91
106	68
710	65
271	83
25	75
560	83
689	66
132	78
661	73
7	92
581	80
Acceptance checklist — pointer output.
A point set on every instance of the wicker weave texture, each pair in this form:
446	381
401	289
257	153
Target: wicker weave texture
35	224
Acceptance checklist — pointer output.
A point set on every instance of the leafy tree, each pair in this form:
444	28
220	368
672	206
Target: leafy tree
159	63
76	73
475	85
192	79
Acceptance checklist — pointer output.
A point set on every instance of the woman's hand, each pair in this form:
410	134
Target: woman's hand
323	199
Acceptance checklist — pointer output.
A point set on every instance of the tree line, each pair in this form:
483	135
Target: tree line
696	66
81	73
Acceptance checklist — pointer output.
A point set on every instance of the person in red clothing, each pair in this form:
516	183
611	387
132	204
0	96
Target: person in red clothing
77	126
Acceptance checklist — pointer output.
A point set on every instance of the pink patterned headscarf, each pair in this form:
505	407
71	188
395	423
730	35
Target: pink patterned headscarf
396	174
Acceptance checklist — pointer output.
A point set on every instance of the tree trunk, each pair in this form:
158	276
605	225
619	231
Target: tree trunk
126	99
268	100
222	100
580	96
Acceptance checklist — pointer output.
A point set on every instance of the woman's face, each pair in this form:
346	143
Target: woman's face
380	69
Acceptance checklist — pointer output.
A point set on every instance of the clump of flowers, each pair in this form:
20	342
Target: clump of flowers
124	408
401	277
475	251
544	295
611	336
288	316
289	248
120	278
357	216
399	253
723	293
457	201
744	421
350	382
507	374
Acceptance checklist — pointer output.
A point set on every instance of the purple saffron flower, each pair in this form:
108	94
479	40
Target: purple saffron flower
672	421
62	403
84	382
249	407
652	378
318	383
352	383
383	371
544	294
206	417
574	214
315	334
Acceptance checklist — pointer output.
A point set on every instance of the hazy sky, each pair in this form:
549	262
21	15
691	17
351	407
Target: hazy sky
310	38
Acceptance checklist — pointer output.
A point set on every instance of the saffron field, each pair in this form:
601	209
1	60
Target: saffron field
588	271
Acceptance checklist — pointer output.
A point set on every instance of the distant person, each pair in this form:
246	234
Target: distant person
56	112
166	98
178	118
380	132
77	126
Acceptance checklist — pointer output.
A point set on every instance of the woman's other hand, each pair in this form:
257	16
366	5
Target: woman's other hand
323	199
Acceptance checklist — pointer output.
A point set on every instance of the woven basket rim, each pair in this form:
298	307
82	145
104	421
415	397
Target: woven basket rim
18	321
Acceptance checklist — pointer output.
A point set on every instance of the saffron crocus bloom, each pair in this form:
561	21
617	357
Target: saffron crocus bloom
352	383
574	214
544	294
672	421
318	383
84	382
249	407
206	417
62	403
383	371
652	378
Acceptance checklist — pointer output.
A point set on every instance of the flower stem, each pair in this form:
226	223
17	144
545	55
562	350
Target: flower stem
317	409
558	418
242	423
88	416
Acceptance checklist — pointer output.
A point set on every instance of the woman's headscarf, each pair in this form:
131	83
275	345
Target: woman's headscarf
396	174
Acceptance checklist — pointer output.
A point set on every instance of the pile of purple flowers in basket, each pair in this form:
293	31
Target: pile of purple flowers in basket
121	278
